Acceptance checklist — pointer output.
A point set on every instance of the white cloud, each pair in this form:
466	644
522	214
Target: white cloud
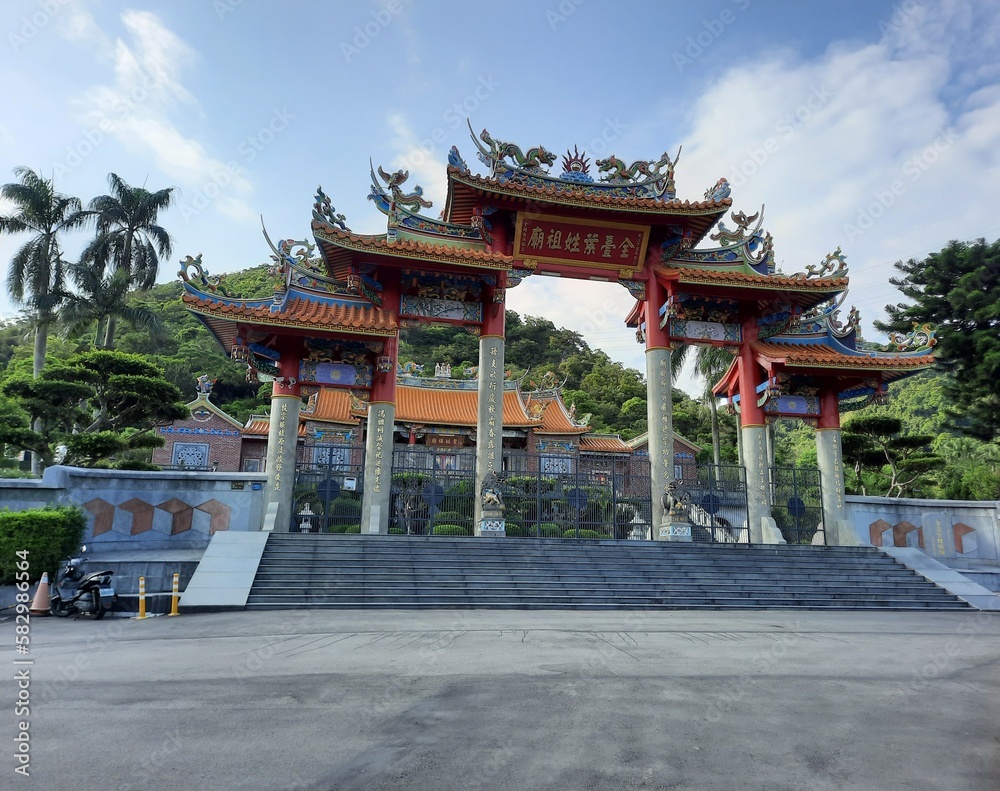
867	147
137	105
880	148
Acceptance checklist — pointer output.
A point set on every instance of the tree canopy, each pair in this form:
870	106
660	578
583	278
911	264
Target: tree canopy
957	291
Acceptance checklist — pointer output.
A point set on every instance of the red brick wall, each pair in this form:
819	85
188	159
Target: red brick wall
224	438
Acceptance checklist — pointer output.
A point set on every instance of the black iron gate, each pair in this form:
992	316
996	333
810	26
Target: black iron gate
329	480
796	503
577	496
433	491
718	495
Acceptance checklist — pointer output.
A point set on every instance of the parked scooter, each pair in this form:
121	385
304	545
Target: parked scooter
89	594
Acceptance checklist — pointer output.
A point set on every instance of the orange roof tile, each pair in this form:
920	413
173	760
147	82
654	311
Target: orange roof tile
301	312
822	356
599	443
454	407
406	248
333	405
723	276
555	418
259	426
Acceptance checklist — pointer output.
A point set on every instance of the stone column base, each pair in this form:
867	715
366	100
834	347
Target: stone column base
492	525
675	531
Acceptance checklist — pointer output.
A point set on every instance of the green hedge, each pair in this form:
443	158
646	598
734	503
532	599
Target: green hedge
50	535
572	533
514	530
451	530
334	528
550	530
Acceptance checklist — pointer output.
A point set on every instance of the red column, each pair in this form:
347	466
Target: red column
829	408
494	307
750	377
656	295
288	367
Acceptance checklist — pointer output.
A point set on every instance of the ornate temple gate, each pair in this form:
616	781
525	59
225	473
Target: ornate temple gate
334	320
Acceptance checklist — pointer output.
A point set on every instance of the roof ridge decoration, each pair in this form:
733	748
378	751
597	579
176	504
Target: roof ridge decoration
750	248
508	162
403	209
291	257
919	339
324	211
200	279
834	265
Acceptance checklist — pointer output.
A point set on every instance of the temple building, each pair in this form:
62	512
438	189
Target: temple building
332	325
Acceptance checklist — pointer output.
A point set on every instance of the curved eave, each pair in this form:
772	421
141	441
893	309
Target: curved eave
465	190
297	313
404	249
823	357
601	443
799	292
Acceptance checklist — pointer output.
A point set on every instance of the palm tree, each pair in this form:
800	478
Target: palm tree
36	273
37	270
98	298
711	362
128	239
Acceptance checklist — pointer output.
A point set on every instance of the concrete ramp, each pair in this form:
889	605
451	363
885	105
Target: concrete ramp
226	573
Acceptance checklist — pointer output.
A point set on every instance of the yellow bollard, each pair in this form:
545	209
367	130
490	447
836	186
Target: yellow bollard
175	597
142	597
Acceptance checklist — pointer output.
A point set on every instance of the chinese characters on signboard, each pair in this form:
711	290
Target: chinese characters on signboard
560	240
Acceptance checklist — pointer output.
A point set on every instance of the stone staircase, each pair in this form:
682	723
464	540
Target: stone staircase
390	572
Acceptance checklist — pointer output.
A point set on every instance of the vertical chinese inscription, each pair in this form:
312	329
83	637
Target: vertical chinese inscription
838	472
666	421
379	449
280	455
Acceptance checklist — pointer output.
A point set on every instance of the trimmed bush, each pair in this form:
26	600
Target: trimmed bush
451	530
352	529
591	534
550	530
343	528
514	530
50	535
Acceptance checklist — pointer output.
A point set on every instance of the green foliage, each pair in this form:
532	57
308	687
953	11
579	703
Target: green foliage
126	395
957	291
49	535
452	530
588	534
884	458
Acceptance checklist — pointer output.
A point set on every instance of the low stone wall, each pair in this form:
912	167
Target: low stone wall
957	532
146	510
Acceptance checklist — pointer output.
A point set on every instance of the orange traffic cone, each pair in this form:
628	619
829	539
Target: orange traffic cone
40	604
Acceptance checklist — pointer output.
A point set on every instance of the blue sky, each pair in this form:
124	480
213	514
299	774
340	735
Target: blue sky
870	125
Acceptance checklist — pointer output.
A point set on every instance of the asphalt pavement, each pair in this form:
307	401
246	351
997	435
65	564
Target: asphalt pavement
442	700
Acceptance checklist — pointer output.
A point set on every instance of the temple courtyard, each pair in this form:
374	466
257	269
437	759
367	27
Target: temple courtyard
444	700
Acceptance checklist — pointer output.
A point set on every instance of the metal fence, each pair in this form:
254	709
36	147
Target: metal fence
796	502
582	495
718	495
433	491
329	480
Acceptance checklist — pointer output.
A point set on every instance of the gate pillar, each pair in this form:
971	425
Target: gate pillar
830	460
659	403
377	499
282	443
489	421
753	431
